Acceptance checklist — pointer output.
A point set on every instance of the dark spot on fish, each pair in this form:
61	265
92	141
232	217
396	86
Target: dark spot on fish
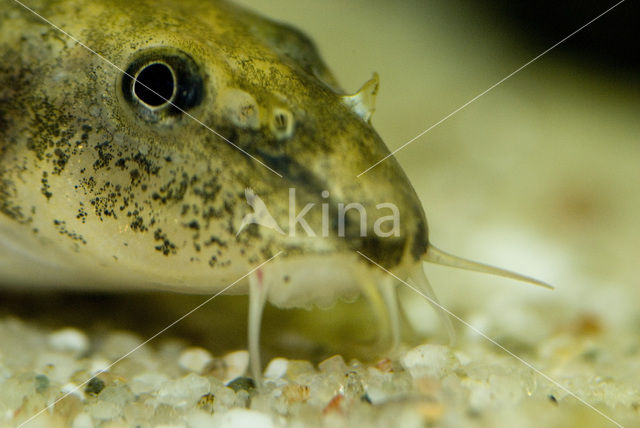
61	162
61	226
215	240
137	225
193	225
7	205
166	247
45	185
82	214
104	156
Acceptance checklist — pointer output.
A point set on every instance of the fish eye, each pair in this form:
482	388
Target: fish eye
162	82
155	85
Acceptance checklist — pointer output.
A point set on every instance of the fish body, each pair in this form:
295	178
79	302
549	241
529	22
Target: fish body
105	186
197	147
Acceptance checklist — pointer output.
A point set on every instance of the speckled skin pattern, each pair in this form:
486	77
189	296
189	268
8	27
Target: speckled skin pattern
98	190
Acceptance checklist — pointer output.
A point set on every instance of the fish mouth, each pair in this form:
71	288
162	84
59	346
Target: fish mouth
307	280
304	280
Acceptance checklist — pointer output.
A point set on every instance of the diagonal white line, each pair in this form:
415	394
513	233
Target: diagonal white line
559	385
489	89
142	84
151	338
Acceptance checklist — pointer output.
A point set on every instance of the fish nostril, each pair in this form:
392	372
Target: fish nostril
155	84
282	123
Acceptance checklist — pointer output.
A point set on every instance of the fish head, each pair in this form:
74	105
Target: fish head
131	132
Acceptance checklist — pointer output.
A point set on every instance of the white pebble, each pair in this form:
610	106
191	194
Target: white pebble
147	382
99	365
463	358
194	359
69	340
242	418
276	368
104	410
199	419
433	361
82	420
183	392
73	389
237	364
56	366
499	390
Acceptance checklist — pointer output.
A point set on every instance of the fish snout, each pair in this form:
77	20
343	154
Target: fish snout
391	231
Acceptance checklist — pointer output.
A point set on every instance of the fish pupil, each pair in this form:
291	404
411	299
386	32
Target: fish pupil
155	85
